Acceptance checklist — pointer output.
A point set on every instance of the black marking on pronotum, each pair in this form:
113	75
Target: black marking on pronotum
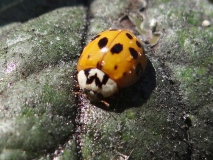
86	72
138	44
102	42
117	48
129	36
88	56
139	69
105	79
133	52
95	37
115	67
95	78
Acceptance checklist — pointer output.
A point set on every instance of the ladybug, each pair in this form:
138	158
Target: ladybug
113	59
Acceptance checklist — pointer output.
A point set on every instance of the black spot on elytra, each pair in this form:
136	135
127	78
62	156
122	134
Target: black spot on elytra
133	52
138	44
115	67
88	56
129	36
95	78
139	69
95	37
124	74
102	42
117	48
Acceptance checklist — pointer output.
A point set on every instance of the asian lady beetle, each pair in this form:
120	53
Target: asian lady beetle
113	59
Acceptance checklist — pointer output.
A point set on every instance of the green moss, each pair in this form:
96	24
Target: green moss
190	74
27	112
165	1
51	100
54	96
193	17
130	114
8	154
69	154
87	147
194	80
196	45
181	37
